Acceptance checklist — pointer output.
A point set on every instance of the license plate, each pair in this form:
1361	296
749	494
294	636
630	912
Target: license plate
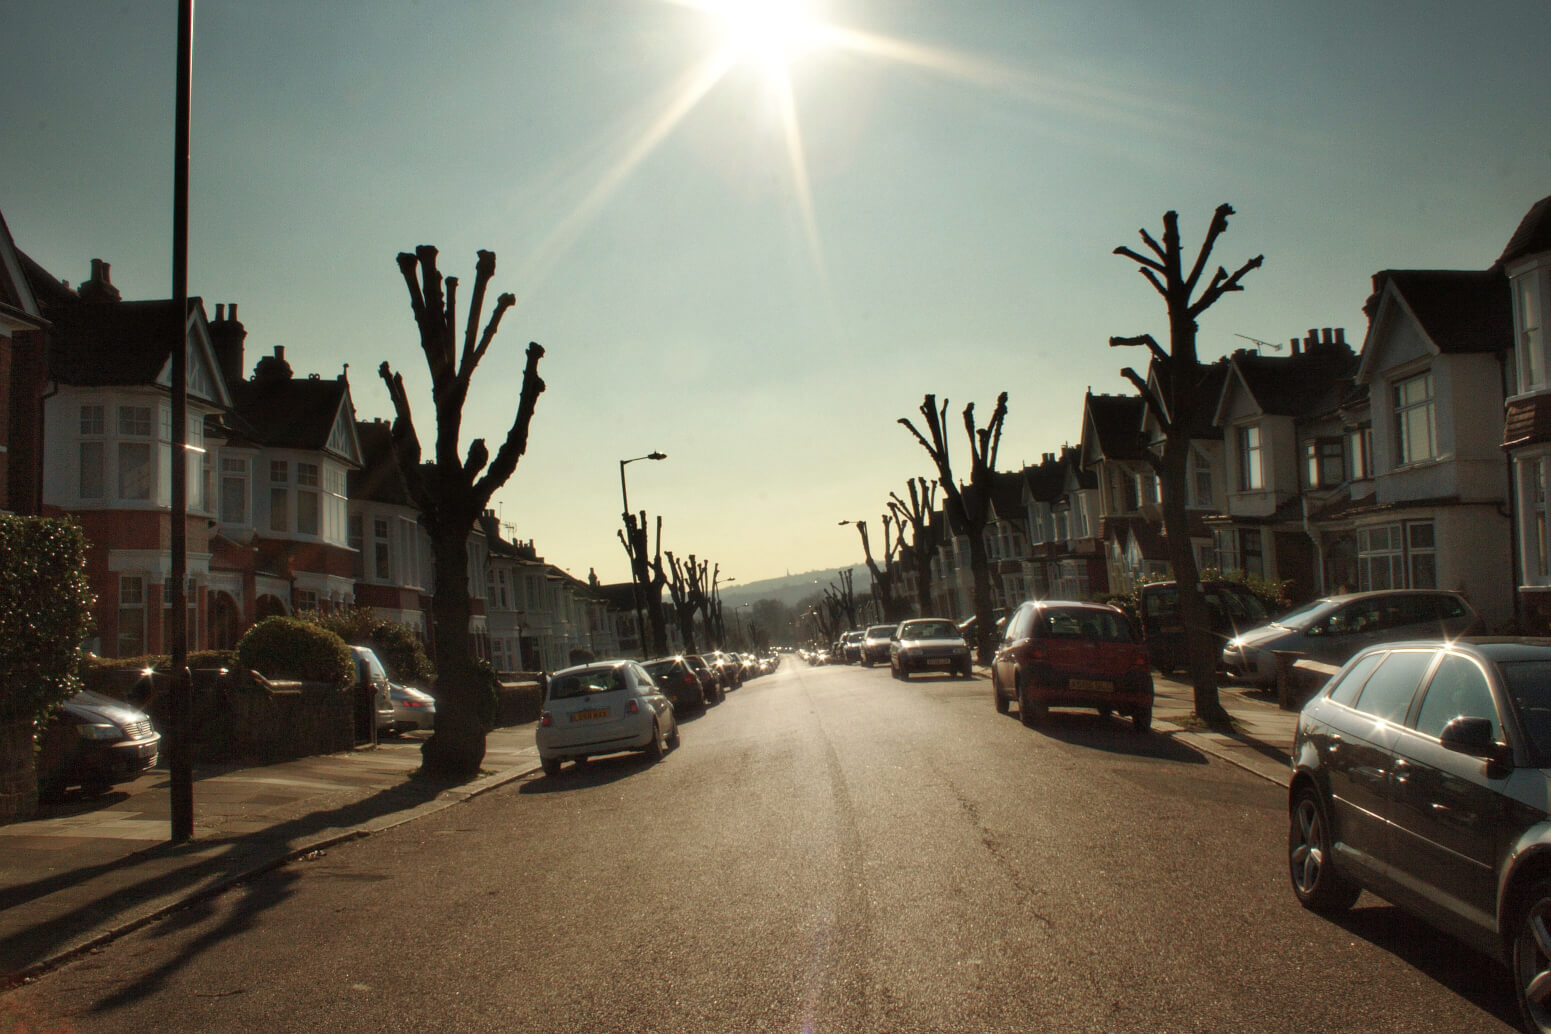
587	716
939	662
1092	685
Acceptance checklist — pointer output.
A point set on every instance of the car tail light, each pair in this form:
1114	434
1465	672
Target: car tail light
1140	658
631	707
1036	650
692	681
545	718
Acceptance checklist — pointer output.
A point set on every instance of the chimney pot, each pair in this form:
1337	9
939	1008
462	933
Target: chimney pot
233	309
220	312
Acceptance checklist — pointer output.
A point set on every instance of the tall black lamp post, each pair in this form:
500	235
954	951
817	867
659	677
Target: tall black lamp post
639	591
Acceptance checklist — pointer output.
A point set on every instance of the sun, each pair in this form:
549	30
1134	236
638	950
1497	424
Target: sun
773	32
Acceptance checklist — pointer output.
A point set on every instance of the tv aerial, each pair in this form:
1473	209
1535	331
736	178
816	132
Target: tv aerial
1259	344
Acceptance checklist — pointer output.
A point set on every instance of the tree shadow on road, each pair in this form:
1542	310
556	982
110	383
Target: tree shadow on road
122	893
1473	976
1115	735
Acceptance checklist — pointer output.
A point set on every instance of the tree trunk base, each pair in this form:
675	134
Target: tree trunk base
453	755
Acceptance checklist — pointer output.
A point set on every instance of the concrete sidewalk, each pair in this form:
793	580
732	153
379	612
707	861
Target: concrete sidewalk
86	871
1263	733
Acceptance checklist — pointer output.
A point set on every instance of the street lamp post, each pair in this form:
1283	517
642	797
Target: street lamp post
638	590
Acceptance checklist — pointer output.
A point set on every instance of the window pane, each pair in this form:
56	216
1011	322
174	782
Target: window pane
134	420
1390	689
1347	689
307	513
134	470
1458	689
91	470
91	420
279	509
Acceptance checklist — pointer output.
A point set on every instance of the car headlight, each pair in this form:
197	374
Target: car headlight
101	731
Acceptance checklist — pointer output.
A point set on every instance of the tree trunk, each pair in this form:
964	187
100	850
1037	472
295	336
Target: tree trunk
457	746
659	622
985	624
1201	646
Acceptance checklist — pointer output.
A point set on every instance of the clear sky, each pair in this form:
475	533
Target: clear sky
756	249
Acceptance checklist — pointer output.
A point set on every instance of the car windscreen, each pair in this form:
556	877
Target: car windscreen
1529	687
585	683
880	631
1304	616
930	630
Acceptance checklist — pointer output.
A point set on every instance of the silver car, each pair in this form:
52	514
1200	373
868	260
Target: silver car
603	708
412	708
1334	628
929	644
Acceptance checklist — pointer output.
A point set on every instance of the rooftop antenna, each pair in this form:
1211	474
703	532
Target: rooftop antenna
1259	344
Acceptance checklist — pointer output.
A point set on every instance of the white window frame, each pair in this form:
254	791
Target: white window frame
1529	324
1252	468
1416	418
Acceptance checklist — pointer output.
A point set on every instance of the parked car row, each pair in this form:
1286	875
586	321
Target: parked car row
610	707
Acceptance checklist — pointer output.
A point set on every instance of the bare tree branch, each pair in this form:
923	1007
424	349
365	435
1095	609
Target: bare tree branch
1219	224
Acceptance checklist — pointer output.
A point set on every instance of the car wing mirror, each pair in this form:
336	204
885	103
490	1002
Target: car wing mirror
1473	736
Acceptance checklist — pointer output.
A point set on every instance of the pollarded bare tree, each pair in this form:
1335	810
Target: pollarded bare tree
452	490
648	578
1181	379
684	588
968	507
918	514
882	578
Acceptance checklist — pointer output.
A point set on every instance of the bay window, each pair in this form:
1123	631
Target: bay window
1252	475
1416	420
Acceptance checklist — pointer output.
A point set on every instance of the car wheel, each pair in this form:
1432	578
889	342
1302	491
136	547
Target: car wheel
673	737
1141	719
996	694
1105	712
655	749
1532	958
1315	881
969	669
551	766
1030	711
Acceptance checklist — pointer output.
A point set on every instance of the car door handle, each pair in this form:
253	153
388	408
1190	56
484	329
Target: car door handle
1401	770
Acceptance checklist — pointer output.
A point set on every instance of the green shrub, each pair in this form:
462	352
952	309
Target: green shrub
45	613
289	648
395	643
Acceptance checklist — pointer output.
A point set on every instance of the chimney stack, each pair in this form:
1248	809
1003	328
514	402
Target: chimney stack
227	336
100	287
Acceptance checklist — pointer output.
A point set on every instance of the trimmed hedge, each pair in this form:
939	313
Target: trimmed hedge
395	643
289	648
45	613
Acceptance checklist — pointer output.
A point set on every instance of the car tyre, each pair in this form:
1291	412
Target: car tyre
1532	958
1031	712
551	766
1105	712
656	748
996	694
1317	884
673	737
1141	720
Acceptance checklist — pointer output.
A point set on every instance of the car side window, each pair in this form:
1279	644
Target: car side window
1018	627
1459	689
1389	690
1345	691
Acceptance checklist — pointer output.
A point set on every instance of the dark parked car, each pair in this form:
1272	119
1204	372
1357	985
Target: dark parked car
710	682
1420	773
679	682
1057	653
93	741
1230	609
1334	628
851	645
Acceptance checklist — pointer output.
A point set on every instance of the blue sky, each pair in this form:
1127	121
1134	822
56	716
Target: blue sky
968	169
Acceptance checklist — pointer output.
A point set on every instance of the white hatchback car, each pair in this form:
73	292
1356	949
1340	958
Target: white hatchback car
603	708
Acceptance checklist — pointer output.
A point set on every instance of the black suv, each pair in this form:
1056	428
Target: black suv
1420	774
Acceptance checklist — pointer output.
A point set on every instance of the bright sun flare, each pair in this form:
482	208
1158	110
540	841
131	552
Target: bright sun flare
774	31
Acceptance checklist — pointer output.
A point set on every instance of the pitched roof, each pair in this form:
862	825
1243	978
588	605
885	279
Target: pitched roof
378	479
1461	310
117	343
1532	236
1314	380
1117	424
291	413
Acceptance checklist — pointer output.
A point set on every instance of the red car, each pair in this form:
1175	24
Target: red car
1058	653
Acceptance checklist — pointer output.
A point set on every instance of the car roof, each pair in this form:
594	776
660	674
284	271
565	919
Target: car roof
594	666
1348	597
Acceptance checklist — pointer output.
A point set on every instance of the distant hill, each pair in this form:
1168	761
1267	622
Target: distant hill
793	588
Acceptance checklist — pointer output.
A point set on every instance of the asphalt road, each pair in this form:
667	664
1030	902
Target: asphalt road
829	850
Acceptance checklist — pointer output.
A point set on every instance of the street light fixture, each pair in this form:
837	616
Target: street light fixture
638	590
